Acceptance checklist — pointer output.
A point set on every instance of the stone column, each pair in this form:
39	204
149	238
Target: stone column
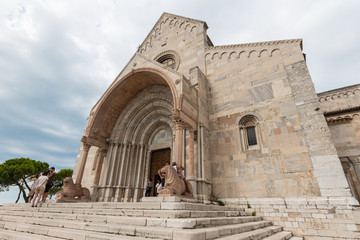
178	152
138	181
191	153
97	174
98	167
79	176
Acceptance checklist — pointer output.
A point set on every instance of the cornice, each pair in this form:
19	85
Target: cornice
341	111
338	91
254	44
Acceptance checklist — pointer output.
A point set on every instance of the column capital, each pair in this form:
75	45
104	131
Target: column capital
86	147
179	124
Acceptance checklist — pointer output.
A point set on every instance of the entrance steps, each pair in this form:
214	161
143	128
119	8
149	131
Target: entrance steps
154	218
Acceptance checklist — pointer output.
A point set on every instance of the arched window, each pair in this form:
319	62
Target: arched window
169	59
249	132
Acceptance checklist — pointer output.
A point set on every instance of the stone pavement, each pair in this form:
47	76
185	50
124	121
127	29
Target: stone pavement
154	218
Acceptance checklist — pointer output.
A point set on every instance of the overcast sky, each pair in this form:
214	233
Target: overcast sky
58	57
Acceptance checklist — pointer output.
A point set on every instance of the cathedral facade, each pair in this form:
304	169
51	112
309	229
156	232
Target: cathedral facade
244	120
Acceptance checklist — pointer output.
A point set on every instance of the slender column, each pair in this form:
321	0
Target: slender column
107	165
98	167
123	157
118	164
86	148
147	169
203	152
139	173
191	153
114	161
136	164
178	152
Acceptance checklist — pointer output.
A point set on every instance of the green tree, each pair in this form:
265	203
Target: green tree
58	182
17	171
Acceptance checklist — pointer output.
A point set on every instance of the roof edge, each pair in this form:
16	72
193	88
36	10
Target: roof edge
266	43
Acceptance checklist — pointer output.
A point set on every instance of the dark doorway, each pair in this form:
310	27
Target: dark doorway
158	160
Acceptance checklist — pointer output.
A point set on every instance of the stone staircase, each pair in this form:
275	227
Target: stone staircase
154	218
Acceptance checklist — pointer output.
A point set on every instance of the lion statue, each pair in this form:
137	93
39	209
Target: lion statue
174	183
72	192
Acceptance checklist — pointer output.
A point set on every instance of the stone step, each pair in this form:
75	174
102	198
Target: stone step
280	236
256	234
123	212
13	235
85	220
45	232
222	231
130	205
72	230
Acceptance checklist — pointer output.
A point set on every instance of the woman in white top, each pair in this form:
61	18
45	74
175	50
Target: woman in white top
40	188
158	187
32	191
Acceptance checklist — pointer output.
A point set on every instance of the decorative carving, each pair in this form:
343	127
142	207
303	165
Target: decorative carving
171	20
174	183
339	93
72	192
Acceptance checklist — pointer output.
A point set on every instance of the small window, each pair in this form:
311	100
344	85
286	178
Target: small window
167	60
249	136
169	63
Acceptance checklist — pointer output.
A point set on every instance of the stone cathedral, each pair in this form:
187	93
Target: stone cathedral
243	119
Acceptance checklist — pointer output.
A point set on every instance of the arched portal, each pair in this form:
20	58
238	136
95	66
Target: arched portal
145	124
113	102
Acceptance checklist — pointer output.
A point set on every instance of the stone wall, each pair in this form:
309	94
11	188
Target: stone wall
321	218
342	112
255	79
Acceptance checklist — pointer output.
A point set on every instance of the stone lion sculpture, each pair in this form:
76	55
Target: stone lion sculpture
174	183
72	192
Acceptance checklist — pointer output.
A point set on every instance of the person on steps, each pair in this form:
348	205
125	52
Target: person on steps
40	188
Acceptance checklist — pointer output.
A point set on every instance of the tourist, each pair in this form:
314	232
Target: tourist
148	187
32	188
49	183
40	188
158	187
175	167
181	171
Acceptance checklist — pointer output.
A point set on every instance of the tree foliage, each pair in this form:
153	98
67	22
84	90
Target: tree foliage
58	182
17	171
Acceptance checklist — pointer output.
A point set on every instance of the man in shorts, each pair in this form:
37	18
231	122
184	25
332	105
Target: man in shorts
49	183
